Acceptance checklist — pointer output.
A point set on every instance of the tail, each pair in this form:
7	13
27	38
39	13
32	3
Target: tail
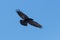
23	22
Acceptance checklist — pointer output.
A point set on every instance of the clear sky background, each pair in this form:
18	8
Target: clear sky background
45	12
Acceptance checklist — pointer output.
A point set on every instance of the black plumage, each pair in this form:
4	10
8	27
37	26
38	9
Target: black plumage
25	20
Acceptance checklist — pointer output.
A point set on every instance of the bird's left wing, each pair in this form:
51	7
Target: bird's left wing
35	24
21	14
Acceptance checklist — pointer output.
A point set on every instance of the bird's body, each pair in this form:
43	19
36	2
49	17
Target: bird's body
25	20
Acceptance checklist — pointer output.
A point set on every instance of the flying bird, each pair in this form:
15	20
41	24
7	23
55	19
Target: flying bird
25	20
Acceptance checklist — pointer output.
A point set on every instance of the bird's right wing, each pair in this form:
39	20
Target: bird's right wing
35	24
21	14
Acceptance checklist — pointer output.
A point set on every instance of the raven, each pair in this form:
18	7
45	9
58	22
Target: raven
25	20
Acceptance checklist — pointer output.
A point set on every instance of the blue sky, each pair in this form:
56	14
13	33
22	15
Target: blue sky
45	12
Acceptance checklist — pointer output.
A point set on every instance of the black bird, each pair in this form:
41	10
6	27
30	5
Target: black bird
27	20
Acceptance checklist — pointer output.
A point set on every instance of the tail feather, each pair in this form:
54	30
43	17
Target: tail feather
23	22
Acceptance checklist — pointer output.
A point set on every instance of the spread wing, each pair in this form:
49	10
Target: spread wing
21	14
35	24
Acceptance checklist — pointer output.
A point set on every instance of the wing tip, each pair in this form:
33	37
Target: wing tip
17	10
39	26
